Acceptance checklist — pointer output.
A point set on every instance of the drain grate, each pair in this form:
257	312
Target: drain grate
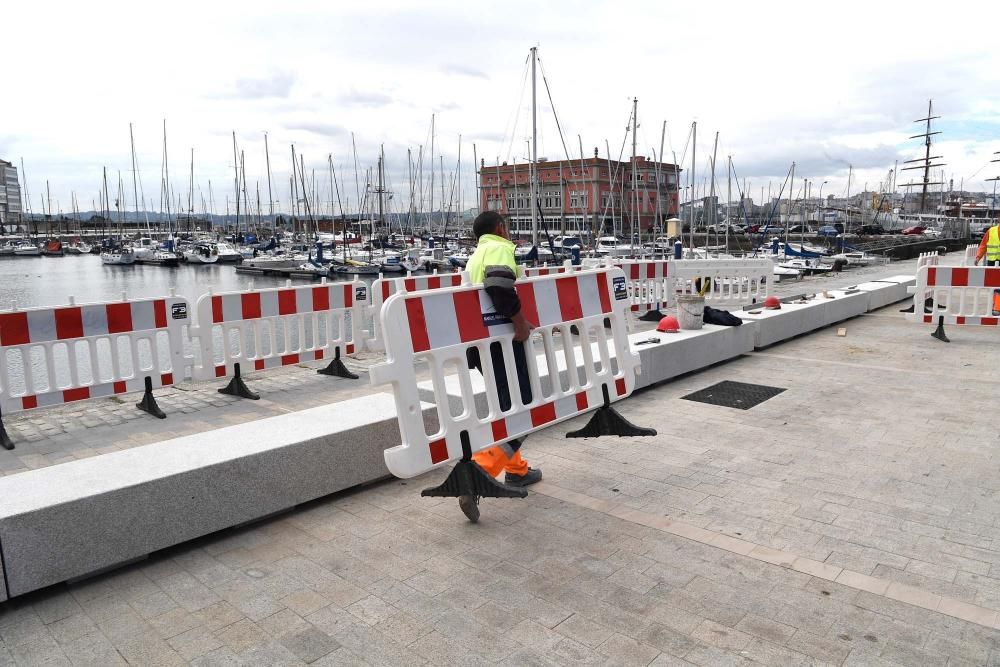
734	394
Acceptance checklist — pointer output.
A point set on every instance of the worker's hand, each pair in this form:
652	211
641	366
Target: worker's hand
522	328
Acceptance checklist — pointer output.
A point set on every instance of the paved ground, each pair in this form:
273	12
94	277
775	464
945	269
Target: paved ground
849	520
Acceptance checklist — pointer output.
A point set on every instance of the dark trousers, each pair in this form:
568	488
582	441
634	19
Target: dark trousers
499	370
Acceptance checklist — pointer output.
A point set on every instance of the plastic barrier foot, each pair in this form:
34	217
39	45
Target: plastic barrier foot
467	478
237	387
939	332
652	316
608	421
148	402
5	440
336	368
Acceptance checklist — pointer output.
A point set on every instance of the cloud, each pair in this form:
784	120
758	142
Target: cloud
364	98
278	84
464	70
319	127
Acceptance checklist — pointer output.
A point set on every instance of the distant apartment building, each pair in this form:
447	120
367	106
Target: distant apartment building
10	194
580	196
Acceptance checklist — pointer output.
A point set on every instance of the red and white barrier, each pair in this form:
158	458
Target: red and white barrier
383	288
650	282
968	296
270	328
546	270
969	256
439	326
928	259
725	282
51	356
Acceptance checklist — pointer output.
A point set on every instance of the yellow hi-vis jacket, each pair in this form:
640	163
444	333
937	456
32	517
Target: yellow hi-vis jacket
491	251
993	244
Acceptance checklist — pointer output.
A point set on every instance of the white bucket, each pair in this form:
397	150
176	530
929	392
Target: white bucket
690	311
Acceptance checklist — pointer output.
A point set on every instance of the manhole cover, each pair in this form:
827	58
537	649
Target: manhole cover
734	394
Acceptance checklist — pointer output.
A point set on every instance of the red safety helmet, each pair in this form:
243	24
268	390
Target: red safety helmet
772	303
668	324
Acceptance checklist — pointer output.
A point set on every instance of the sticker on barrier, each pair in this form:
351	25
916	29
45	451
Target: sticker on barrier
571	364
258	330
383	288
725	282
963	296
52	356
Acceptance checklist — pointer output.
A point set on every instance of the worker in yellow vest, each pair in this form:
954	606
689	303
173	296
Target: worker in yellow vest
989	247
492	265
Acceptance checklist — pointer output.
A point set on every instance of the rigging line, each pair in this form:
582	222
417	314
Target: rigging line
552	104
515	114
614	174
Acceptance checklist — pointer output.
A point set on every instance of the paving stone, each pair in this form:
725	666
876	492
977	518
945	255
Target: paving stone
310	644
622	650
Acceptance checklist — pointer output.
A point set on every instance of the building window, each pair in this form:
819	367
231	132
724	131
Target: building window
510	200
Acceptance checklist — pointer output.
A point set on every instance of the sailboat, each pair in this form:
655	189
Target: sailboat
117	255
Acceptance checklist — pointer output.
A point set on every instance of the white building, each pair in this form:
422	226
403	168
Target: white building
10	194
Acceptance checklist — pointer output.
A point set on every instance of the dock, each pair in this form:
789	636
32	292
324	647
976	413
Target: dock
848	519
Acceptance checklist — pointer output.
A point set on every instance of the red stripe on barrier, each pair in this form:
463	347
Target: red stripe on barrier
321	298
258	364
318	355
385	291
79	394
469	316
543	414
959	277
220	371
166	379
250	305
990	321
160	314
348	296
526	293
569	299
289	359
410	285
499	430
581	401
216	309
119	317
931	275
928	319
120	388
633	271
433	282
959	320
349	348
439	451
456	279
287	303
69	323
620	386
418	325
29	402
991	278
14	329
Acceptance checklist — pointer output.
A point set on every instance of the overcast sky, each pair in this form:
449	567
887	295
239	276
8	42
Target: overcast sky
779	81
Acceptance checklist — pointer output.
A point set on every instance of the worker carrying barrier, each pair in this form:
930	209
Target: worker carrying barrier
724	282
262	329
440	327
546	270
51	356
650	285
383	288
965	296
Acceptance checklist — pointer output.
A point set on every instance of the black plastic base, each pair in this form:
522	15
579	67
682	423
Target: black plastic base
237	387
336	368
652	316
467	478
5	440
939	332
148	402
608	421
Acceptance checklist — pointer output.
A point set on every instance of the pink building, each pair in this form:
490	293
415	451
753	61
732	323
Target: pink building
593	195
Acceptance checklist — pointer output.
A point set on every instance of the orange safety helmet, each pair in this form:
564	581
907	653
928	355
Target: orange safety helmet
668	324
772	303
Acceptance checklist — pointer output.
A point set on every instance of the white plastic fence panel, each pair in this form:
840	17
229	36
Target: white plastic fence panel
383	288
438	327
928	259
725	282
547	270
960	295
52	356
650	281
269	328
969	256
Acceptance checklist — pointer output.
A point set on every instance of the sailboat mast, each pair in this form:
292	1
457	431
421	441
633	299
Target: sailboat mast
270	195
191	192
694	146
431	218
635	181
236	181
534	150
